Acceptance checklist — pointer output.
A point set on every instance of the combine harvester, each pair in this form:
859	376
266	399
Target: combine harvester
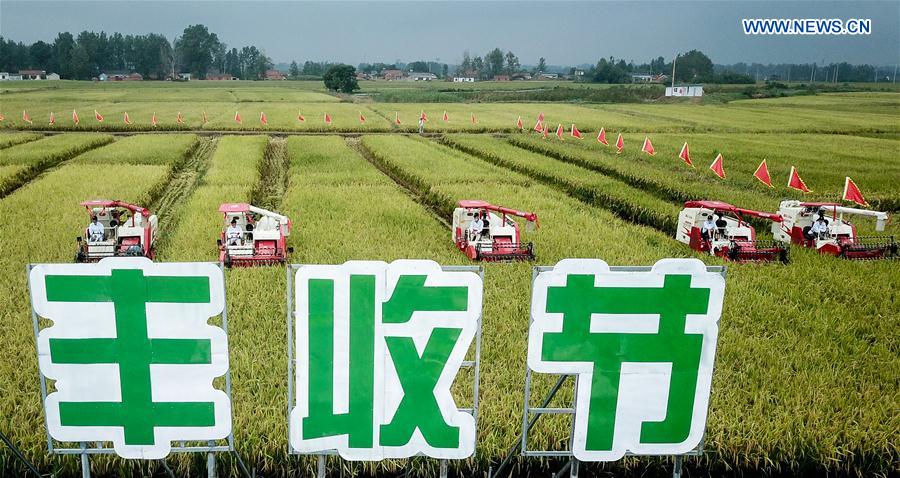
252	236
128	230
840	239
734	240
501	238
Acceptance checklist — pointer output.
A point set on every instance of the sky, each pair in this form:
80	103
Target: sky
565	33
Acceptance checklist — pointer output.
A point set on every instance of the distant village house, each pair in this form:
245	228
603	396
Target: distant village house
220	77
422	77
391	75
33	74
274	75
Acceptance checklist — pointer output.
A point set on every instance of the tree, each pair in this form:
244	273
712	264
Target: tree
541	66
418	66
512	63
41	54
693	64
341	78
196	50
80	63
295	70
233	63
494	61
62	54
658	66
445	70
478	65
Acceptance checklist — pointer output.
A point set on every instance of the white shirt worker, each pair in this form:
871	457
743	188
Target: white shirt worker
476	227
96	231
234	234
708	227
819	227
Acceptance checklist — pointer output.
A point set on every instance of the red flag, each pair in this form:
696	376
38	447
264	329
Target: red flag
794	181
620	144
98	116
423	117
474	120
26	118
52	119
397	118
685	155
300	117
559	132
539	127
446	117
519	123
648	147
327	119
851	193
126	119
153	119
179	119
546	131
575	133
718	166
362	119
74	117
762	173
541	117
263	119
205	119
2	117
237	117
601	137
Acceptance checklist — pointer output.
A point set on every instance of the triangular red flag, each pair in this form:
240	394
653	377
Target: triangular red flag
126	119
397	118
546	131
685	155
362	119
423	116
446	117
153	119
474	119
718	166
601	137
620	144
26	118
179	119
2	117
263	119
237	117
300	117
74	117
575	133
852	193
559	132
762	173
98	116
52	119
648	147
539	127
519	123
794	181
541	117
327	119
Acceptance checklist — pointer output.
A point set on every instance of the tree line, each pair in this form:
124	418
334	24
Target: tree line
196	51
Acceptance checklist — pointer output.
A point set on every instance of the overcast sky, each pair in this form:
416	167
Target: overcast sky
566	33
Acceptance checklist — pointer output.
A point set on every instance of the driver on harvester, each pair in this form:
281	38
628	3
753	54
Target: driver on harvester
96	231
234	233
818	229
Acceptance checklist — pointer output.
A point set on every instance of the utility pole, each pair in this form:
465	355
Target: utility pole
812	73
673	70
789	74
894	79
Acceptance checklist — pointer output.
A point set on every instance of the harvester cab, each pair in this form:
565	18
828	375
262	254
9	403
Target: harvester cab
122	229
732	237
500	238
835	235
252	236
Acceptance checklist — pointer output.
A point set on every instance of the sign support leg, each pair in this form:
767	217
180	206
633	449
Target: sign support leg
320	472
676	468
573	470
444	468
85	462
211	463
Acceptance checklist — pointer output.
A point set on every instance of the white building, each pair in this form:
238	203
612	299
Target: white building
463	79
413	76
53	76
4	76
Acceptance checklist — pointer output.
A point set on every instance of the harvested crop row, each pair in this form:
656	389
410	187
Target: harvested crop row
49	208
34	157
627	202
776	351
12	139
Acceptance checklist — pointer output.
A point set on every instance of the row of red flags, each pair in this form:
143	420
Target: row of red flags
851	191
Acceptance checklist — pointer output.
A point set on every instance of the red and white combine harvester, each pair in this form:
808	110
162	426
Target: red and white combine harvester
733	238
833	235
252	236
499	239
121	229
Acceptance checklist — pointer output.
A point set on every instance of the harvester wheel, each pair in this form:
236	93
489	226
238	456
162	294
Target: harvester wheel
783	256
227	261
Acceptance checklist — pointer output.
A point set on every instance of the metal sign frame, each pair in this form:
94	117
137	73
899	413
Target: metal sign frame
475	365
531	414
100	448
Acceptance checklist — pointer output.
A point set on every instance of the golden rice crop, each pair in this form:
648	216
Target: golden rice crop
12	139
36	156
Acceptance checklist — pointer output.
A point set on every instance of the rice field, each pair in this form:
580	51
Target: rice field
808	353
